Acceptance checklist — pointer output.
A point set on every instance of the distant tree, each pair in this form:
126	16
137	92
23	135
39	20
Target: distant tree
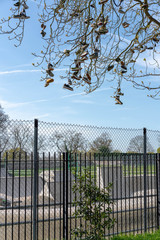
15	153
20	137
158	143
136	145
68	141
131	152
41	143
158	150
3	129
102	144
116	152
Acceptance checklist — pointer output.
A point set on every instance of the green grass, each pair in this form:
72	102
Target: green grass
147	236
129	170
29	172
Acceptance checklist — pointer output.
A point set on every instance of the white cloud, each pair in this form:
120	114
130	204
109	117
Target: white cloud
102	89
18	71
7	104
60	69
74	94
83	101
41	116
28	71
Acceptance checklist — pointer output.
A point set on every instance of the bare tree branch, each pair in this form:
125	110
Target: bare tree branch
98	40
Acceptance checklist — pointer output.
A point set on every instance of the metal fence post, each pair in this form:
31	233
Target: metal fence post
65	196
67	157
35	187
158	186
145	183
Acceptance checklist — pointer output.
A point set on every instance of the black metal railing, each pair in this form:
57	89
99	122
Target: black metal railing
37	200
54	219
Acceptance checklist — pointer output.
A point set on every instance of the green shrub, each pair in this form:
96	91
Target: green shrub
158	150
94	207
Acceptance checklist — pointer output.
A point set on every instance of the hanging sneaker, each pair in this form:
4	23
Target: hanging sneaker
66	52
94	25
49	73
118	59
84	54
84	47
102	30
97	37
23	15
88	76
123	71
66	86
86	80
84	58
150	48
110	67
43	26
132	50
43	33
78	61
142	50
106	20
92	5
49	80
120	10
155	39
78	65
119	102
50	67
124	67
78	51
75	73
103	1
94	55
17	16
74	14
17	4
125	24
101	21
76	69
122	63
132	61
119	92
76	77
117	99
46	84
25	5
88	20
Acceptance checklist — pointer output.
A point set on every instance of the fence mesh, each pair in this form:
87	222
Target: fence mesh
53	137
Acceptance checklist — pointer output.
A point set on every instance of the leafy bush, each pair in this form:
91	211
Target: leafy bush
158	150
93	205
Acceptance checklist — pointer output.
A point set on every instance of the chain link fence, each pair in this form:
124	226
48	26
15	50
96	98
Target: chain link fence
58	137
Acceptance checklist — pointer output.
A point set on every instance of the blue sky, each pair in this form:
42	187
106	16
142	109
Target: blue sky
23	96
